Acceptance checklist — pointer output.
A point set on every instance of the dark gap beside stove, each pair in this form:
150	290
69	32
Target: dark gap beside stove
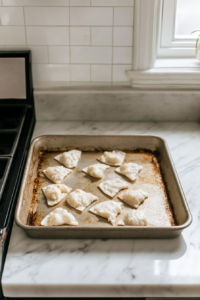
7	143
5	164
11	122
10	117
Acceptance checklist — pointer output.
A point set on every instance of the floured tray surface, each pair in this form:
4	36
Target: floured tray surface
156	207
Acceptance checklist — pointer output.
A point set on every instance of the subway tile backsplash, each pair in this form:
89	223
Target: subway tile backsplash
73	42
53	16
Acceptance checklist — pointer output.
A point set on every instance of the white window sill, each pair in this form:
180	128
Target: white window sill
168	73
177	63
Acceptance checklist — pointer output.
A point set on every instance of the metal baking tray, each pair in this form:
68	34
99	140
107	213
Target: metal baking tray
166	207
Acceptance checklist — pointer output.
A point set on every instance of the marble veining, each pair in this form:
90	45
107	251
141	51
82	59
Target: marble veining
115	268
117	105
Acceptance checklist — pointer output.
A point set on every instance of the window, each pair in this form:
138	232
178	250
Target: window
163	47
178	19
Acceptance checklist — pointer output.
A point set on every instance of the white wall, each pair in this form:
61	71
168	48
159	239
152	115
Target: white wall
73	42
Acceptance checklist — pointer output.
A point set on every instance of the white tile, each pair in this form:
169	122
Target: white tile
91	16
11	16
119	72
112	2
79	2
58	54
101	73
123	36
80	72
47	35
80	36
14	35
123	16
39	53
47	16
101	55
122	55
36	2
49	72
101	36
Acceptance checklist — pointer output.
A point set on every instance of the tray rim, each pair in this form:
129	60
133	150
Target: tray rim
121	228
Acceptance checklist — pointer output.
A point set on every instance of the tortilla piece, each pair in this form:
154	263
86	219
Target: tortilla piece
114	158
133	197
58	217
113	186
80	199
107	209
96	170
69	159
130	170
134	218
54	193
57	174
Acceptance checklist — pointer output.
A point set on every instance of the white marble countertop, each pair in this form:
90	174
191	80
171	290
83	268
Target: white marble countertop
115	268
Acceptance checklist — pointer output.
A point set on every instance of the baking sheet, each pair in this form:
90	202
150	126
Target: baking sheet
165	208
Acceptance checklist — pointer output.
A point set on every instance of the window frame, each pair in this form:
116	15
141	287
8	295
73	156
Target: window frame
168	45
149	70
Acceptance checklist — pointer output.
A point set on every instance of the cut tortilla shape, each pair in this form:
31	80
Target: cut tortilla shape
69	159
113	186
96	170
134	218
58	217
80	199
130	170
57	174
55	193
114	158
133	197
108	210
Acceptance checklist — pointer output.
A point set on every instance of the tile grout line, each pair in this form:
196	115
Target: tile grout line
94	63
45	45
63	26
90	46
48	56
25	26
112	48
38	6
69	48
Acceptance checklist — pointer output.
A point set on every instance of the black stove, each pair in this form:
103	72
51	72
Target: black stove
17	119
